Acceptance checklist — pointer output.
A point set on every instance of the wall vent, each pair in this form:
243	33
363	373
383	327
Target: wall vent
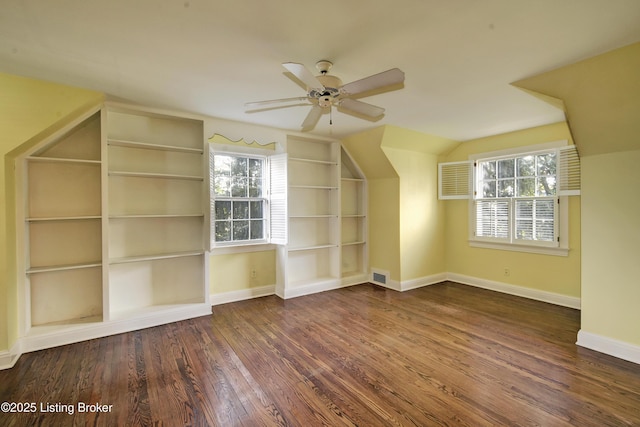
379	278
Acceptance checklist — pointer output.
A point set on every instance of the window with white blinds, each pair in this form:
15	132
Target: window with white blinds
516	196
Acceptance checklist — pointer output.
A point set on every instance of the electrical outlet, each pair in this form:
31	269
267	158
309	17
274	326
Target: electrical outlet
507	273
253	273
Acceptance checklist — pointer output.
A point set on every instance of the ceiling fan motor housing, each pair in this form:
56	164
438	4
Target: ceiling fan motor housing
331	90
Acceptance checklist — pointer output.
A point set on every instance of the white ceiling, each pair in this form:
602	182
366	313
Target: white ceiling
212	56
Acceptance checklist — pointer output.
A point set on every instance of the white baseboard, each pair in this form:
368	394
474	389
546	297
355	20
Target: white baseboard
8	358
41	337
535	294
407	285
312	288
620	349
243	294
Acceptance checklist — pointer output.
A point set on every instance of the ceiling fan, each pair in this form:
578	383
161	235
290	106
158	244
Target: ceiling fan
326	91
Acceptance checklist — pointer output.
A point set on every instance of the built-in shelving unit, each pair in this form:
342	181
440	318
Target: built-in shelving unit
114	226
61	180
156	230
312	253
327	219
353	191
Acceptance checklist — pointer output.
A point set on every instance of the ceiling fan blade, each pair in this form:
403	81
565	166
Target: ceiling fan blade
312	118
304	75
262	104
361	108
386	78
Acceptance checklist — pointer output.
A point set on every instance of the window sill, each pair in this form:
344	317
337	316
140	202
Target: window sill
520	248
242	248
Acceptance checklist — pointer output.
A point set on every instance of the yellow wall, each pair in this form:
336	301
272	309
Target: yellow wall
556	274
406	220
383	216
601	96
233	272
28	109
611	265
383	210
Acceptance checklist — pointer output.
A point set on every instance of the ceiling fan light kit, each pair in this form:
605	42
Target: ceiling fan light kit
326	91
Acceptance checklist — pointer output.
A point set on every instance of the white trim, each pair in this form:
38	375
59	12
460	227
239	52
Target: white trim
242	294
420	282
514	247
534	294
8	358
313	287
354	279
242	248
612	347
508	152
53	336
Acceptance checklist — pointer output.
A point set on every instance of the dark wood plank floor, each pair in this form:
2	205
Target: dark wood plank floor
446	354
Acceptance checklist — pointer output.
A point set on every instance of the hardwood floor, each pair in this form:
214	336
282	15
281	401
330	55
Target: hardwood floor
446	354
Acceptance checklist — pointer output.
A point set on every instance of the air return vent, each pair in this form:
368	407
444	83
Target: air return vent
379	278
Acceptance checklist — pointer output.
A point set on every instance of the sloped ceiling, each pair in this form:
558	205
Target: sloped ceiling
212	56
601	96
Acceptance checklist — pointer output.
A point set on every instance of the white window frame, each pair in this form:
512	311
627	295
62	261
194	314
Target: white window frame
270	240
561	221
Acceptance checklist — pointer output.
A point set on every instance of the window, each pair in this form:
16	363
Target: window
517	196
248	199
240	202
515	199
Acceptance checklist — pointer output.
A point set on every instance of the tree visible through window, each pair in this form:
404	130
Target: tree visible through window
239	212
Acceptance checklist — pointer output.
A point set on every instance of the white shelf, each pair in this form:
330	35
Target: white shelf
312	248
63	326
352	179
64	218
46	269
313	187
153	257
134	216
155	175
356	216
148	146
320	216
63	160
353	243
313	161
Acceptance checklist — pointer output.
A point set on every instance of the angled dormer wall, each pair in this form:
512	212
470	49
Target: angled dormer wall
406	220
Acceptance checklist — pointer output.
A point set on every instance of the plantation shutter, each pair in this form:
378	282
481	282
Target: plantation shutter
493	218
278	198
535	219
454	180
212	203
568	171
